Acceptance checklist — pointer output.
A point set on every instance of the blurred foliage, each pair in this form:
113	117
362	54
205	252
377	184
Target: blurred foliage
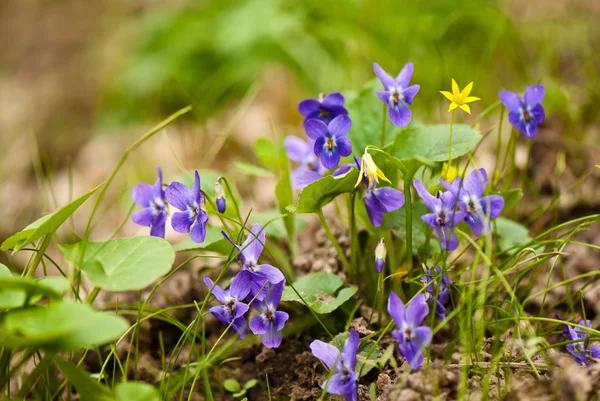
210	52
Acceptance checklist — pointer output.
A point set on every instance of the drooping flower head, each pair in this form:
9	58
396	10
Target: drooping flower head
478	209
398	94
220	196
324	108
458	98
303	153
343	380
525	114
269	323
581	351
250	251
331	142
370	171
443	216
413	337
154	207
380	255
192	217
431	284
232	310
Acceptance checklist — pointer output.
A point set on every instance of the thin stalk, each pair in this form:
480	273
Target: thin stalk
450	141
381	291
354	248
333	241
39	255
498	147
408	214
383	121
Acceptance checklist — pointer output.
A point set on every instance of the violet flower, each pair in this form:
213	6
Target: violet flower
269	323
324	108
220	196
192	217
525	114
581	351
233	309
250	252
412	337
442	294
443	216
478	209
380	255
331	142
302	152
344	377
397	93
152	199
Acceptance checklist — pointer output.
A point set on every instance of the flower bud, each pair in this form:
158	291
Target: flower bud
380	254
220	196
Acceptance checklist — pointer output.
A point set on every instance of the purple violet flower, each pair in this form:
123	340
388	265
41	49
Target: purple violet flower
331	142
220	196
344	378
477	208
270	322
192	217
233	309
303	153
324	108
397	93
525	114
380	255
152	199
581	351
442	295
250	252
412	337
443	217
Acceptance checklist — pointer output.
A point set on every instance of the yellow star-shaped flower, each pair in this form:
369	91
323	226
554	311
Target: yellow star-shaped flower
370	169
458	98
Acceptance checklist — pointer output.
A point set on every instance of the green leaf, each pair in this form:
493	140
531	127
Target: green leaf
62	326
123	264
239	394
214	242
366	110
368	353
14	290
231	385
135	391
285	198
316	195
270	154
250	169
88	388
250	384
511	197
510	234
319	291
276	228
46	225
396	220
430	142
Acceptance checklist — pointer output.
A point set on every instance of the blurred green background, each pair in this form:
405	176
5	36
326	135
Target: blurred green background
82	80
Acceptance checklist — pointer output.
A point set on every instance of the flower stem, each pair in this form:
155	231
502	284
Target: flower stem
381	292
408	213
333	241
383	120
450	141
496	175
354	249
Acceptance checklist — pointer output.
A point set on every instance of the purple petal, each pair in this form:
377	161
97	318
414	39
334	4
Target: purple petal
274	295
531	128
344	145
335	111
239	326
319	146
412	352
383	76
308	106
177	195
423	336
400	115
384	96
142	195
333	99
327	353
538	113
410	93
315	129
350	349
303	176
343	169
240	309
218	292
430	219
416	310
514	118
181	222
374	208
272	274
157	189
495	204
405	75
221	205
259	325
379	263
254	244
534	94
447	237
272	338
158	225
240	285
279	319
476	222
340	125
452	188
396	309
510	100
595	351
340	384
391	198
198	233
430	201
143	217
329	159
194	194
295	148
221	313
475	182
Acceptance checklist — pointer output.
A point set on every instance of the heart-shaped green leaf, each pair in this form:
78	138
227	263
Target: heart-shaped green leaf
510	234
15	290
123	264
316	195
135	391
320	292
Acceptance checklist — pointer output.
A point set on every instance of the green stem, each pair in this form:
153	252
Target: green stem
333	241
39	255
450	141
496	175
408	213
354	249
92	295
383	121
381	291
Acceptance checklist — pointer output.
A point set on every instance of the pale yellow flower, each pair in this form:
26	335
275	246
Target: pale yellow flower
458	98
370	169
